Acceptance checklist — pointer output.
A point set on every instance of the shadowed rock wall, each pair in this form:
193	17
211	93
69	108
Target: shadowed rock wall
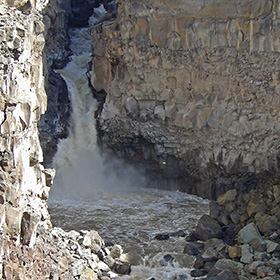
192	90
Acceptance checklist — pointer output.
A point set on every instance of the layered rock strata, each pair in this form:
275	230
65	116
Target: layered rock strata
192	90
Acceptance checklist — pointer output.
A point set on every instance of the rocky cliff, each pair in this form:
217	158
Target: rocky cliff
32	39
192	90
24	181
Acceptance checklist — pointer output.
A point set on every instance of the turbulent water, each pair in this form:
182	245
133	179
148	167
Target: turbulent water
94	191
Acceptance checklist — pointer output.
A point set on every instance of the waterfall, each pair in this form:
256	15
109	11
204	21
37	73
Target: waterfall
95	191
81	170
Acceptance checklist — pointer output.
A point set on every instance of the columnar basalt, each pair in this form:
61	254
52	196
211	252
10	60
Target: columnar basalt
29	247
24	181
192	89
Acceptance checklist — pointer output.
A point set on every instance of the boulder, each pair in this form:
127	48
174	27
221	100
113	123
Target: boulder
227	197
249	232
207	228
193	248
122	267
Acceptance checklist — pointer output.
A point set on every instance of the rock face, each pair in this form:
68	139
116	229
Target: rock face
54	124
192	89
24	183
29	247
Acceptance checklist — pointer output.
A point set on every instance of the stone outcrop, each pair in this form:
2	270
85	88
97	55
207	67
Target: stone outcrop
192	90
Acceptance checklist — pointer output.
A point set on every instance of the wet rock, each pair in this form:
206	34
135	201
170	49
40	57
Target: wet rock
116	251
167	260
271	246
209	255
207	228
162	237
199	262
215	209
193	248
198	273
122	267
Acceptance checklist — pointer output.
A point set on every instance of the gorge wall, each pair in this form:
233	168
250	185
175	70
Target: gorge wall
25	183
33	42
192	90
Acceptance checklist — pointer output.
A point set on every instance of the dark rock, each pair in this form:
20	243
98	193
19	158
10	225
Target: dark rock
198	273
207	228
199	262
215	209
208	266
81	10
234	217
193	248
167	260
258	245
58	109
209	255
225	275
191	237
122	267
28	226
162	237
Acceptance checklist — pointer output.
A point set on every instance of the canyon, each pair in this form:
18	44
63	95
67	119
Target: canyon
188	91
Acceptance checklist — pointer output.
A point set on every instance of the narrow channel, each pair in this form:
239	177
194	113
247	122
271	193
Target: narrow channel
94	191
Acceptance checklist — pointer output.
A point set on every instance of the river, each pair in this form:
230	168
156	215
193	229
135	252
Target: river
95	191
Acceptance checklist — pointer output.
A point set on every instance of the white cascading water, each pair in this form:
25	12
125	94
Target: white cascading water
92	191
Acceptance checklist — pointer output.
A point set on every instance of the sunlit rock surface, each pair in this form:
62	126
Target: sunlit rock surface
192	90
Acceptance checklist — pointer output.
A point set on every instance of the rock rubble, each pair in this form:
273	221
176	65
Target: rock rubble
240	239
64	255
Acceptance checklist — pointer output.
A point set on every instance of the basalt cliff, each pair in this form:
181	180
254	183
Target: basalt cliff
33	41
191	90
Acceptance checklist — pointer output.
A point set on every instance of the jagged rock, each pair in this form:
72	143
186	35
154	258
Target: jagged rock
116	251
207	228
122	267
234	252
226	264
227	197
249	232
193	248
246	255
